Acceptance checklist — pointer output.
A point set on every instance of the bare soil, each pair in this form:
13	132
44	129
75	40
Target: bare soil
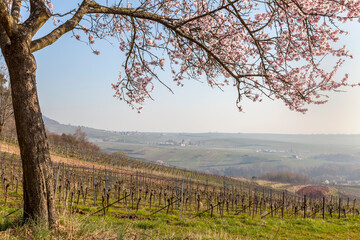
314	191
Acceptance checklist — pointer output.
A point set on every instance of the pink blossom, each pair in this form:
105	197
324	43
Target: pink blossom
162	62
50	5
85	29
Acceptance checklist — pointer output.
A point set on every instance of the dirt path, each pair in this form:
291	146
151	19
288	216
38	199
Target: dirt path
57	159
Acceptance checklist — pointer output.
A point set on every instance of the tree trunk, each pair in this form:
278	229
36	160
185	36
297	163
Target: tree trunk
38	180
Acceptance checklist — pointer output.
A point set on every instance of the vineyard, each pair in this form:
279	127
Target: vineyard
122	186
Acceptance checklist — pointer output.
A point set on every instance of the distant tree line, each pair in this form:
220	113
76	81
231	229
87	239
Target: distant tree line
250	169
76	140
286	177
340	172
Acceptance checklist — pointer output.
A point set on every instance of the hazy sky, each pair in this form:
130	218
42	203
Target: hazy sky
75	87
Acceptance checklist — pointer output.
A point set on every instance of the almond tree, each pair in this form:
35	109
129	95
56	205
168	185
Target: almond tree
263	48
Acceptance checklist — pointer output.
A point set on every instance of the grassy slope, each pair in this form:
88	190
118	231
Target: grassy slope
164	226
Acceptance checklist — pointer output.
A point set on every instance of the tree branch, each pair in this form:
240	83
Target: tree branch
206	14
6	19
61	30
166	22
89	7
15	10
131	12
39	14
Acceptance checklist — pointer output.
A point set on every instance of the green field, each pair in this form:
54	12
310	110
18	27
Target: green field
199	158
253	158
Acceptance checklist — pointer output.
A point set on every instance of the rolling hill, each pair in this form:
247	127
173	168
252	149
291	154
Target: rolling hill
322	157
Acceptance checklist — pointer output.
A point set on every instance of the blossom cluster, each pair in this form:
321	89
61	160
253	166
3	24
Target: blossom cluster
263	48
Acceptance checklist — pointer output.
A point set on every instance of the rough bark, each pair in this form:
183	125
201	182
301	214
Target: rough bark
37	172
